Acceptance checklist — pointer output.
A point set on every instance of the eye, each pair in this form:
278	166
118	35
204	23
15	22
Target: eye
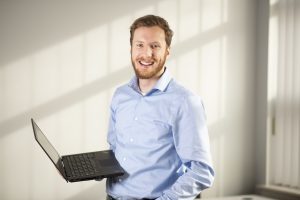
139	45
155	46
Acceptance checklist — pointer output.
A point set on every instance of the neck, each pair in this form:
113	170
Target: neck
146	85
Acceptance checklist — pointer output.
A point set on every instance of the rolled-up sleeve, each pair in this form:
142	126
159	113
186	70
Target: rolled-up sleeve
192	145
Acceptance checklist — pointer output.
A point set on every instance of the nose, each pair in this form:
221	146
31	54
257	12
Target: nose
148	52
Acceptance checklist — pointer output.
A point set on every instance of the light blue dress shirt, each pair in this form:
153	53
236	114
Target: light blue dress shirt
161	141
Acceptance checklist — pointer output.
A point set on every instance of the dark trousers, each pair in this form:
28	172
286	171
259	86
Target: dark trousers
111	198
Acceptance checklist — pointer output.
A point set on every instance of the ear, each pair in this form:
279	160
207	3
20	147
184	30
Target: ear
168	51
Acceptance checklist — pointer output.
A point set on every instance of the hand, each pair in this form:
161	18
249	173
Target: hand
98	179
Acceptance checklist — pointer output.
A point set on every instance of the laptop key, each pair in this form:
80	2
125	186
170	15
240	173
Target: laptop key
82	164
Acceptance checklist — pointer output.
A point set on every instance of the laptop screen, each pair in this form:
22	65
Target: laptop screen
48	148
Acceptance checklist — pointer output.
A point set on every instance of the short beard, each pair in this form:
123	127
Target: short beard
151	74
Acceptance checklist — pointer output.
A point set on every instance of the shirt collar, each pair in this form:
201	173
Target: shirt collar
161	84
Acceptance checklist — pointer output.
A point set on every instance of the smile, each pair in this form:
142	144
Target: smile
146	64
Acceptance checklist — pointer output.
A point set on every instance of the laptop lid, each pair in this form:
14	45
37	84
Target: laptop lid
48	148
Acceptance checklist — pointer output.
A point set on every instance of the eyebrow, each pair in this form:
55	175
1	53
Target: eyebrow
138	41
155	42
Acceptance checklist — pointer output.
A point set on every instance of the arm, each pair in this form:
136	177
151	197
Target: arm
196	177
111	138
192	145
111	135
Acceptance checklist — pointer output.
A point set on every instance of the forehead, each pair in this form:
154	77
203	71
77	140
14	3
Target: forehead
149	34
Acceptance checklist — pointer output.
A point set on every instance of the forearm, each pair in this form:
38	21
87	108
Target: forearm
197	177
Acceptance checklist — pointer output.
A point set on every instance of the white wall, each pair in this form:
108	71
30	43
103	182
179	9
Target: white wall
60	63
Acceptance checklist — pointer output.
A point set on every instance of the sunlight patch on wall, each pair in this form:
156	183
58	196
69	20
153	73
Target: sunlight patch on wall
143	11
15	84
189	67
189	19
119	46
213	13
96	54
212	83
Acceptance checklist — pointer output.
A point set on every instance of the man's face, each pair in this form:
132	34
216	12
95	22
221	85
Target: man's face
149	52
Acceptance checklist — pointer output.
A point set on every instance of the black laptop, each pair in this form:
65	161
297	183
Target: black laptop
80	167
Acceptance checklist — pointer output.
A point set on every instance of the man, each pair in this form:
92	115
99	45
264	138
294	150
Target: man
157	128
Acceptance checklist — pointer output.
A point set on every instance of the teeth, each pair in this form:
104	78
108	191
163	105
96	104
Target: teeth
146	63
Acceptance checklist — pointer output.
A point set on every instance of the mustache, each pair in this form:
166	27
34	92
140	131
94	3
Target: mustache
146	59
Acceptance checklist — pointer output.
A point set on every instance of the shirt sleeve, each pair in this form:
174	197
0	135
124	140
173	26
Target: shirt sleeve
111	135
192	145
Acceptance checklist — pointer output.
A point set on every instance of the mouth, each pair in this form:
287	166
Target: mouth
145	64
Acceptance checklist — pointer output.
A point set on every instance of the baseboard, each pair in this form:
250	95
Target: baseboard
277	192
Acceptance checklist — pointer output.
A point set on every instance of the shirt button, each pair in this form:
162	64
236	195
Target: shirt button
120	180
136	118
124	158
131	140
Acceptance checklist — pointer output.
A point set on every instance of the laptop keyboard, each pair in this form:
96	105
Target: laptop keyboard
82	165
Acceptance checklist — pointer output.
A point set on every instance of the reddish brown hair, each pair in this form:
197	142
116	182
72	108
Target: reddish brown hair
149	21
